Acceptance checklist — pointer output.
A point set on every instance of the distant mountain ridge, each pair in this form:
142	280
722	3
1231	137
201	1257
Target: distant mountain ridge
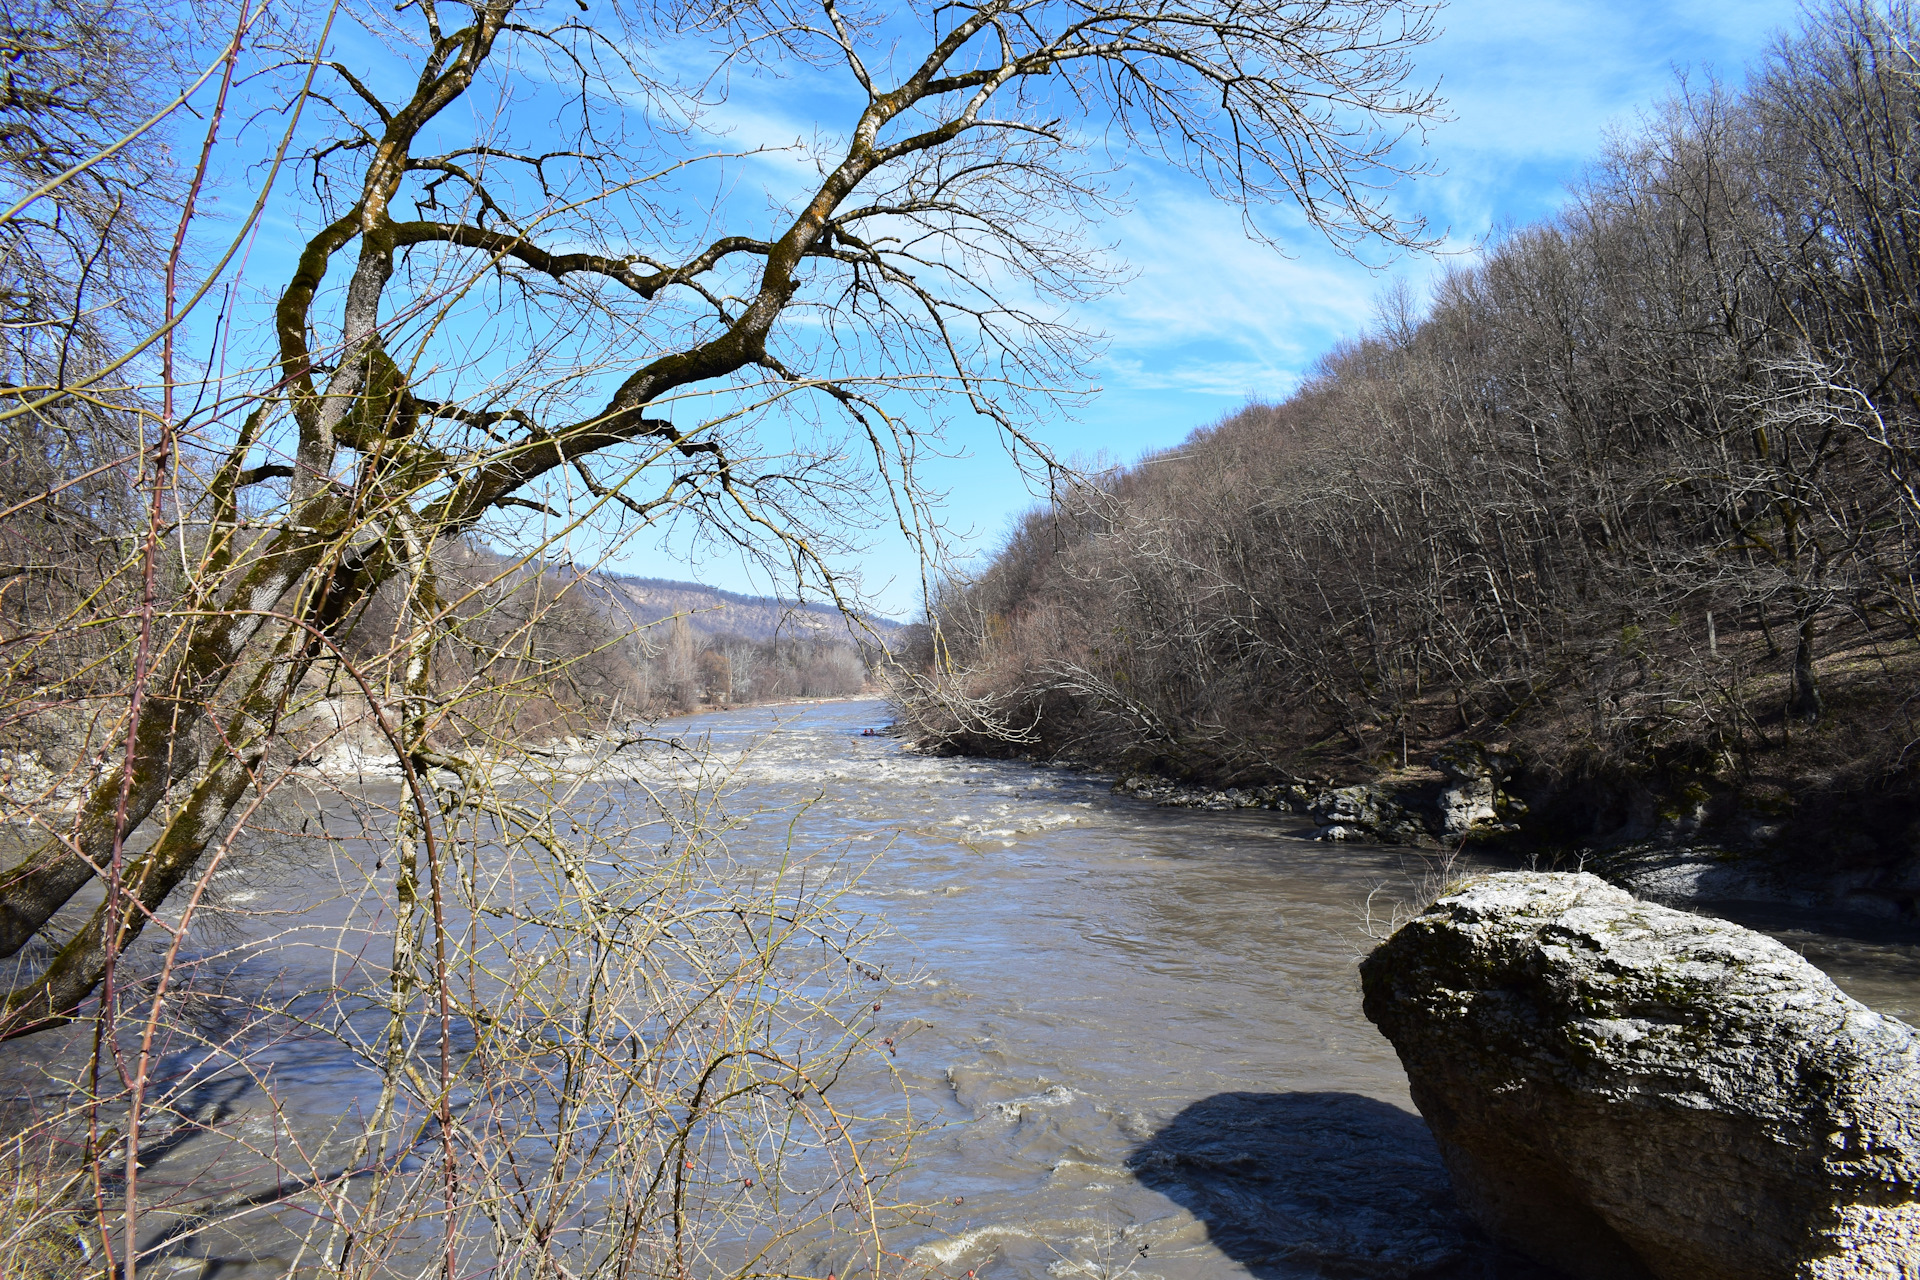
712	612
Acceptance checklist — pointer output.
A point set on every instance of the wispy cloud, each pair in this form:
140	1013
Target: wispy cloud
1534	86
1233	379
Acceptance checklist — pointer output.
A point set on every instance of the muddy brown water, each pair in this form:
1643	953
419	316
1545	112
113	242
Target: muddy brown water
1135	1032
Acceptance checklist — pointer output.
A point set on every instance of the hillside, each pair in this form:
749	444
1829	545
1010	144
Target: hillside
712	612
578	646
1633	503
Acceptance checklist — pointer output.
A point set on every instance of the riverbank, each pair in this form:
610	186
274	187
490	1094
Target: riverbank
345	744
1679	842
865	695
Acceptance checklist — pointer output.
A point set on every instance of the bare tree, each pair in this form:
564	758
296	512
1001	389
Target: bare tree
963	161
546	336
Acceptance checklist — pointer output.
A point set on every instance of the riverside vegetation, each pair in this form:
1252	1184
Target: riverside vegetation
1627	515
332	333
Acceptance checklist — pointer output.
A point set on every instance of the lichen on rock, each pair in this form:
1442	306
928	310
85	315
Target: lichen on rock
1625	1090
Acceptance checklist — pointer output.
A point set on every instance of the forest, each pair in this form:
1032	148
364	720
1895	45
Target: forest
1633	496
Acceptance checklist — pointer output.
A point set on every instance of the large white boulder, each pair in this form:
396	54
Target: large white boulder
1624	1090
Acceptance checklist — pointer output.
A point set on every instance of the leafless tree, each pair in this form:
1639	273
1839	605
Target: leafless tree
522	314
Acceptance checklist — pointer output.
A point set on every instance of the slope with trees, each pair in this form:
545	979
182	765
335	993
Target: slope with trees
1634	497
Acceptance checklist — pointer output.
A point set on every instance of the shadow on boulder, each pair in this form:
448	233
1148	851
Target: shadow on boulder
1295	1185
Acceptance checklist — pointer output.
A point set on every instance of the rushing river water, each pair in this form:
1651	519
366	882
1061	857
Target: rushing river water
1135	1032
1144	1023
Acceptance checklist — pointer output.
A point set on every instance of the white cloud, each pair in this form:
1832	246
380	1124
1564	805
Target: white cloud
1235	379
1212	313
1533	83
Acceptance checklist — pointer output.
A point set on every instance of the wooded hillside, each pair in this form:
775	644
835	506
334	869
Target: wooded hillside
1635	493
557	649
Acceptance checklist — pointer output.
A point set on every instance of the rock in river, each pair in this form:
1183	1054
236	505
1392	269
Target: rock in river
1624	1090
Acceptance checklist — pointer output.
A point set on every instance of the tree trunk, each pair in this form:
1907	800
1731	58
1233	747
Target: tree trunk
1805	704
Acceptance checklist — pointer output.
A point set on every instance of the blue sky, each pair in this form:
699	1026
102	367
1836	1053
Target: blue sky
1210	320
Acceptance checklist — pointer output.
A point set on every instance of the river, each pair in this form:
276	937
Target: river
1134	1033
